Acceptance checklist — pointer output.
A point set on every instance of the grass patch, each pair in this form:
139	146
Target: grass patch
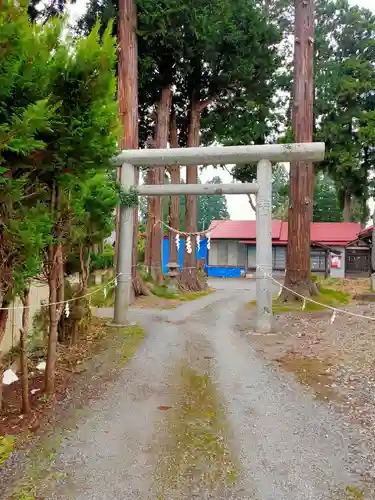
163	292
197	452
349	285
99	299
129	339
40	470
349	493
115	347
6	448
327	296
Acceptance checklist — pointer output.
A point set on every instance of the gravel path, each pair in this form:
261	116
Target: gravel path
285	444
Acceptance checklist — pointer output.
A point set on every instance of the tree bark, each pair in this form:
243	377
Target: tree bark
251	202
3	317
347	207
56	294
155	214
128	108
301	173
174	201
24	330
3	322
84	269
189	279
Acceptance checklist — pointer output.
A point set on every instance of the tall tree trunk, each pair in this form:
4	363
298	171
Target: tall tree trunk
301	173
24	331
155	215
189	277
55	268
347	207
128	108
3	323
174	201
84	269
3	317
56	294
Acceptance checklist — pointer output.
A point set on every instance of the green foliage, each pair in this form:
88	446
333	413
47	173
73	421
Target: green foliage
6	448
345	79
209	208
103	260
58	132
216	50
129	198
326	204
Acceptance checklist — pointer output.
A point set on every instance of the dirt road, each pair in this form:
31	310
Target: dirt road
197	414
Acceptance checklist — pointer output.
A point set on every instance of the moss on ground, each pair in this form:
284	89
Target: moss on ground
197	453
40	469
117	347
326	297
349	493
163	292
129	339
99	299
6	448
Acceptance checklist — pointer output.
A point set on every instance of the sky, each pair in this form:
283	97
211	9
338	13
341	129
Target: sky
238	205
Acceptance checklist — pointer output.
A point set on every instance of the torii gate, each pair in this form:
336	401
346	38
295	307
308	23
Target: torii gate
263	155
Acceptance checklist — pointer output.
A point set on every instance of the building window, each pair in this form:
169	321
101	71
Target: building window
318	260
278	258
222	251
227	253
241	255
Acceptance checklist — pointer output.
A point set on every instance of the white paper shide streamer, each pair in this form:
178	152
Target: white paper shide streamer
188	245
177	241
304	304
105	292
208	241
116	281
67	310
333	317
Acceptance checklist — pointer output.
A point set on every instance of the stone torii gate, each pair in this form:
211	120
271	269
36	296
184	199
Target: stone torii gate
262	155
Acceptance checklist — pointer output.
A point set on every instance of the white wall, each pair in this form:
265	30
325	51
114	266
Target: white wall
38	293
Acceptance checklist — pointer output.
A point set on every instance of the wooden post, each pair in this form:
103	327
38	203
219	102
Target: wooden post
264	247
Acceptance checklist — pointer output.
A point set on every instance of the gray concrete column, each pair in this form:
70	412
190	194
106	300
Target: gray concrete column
264	246
125	252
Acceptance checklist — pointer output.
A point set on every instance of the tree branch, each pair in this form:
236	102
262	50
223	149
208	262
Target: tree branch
251	201
204	104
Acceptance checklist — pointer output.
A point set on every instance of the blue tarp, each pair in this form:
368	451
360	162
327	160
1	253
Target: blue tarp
202	253
224	272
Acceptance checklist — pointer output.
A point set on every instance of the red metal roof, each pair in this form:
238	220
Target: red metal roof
366	232
239	229
324	233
